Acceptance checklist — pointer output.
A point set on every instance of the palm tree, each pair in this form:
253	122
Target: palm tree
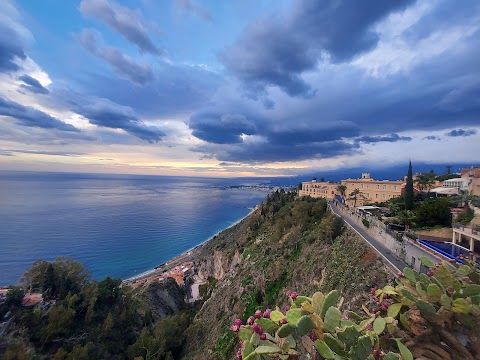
354	195
425	181
341	189
406	217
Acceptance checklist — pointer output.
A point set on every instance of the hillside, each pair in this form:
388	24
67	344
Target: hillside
285	244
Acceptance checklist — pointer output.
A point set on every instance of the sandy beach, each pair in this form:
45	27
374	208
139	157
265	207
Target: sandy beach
189	255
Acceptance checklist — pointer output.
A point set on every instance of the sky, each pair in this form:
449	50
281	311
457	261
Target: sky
239	87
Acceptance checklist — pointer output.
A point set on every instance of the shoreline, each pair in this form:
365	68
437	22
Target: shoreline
183	256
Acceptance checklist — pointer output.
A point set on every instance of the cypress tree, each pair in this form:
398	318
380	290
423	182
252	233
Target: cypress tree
49	283
409	189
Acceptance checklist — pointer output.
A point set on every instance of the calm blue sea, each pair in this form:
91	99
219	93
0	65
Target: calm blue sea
116	225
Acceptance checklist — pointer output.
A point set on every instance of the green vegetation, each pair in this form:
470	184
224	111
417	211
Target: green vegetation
366	223
475	201
409	194
466	217
354	195
341	189
413	318
13	300
425	180
291	243
447	177
432	212
85	319
406	217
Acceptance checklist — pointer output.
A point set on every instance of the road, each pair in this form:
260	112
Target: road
159	270
392	259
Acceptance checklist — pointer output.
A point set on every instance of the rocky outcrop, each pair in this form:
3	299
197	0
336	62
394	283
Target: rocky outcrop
164	298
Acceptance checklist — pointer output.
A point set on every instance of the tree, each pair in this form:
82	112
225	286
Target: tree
49	283
425	180
447	177
341	189
406	217
433	212
409	194
14	296
108	291
354	195
300	186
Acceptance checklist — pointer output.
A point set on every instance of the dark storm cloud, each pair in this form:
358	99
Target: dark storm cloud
461	132
376	139
277	50
122	63
218	128
441	89
298	133
258	153
123	20
32	84
103	112
221	129
431	137
11	48
295	141
28	116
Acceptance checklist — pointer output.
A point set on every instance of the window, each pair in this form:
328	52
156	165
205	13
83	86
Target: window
384	187
394	187
376	196
368	186
384	196
361	186
378	187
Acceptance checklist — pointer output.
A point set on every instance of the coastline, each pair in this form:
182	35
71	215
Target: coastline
185	256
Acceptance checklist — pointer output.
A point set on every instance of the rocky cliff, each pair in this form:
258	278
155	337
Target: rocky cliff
285	244
164	298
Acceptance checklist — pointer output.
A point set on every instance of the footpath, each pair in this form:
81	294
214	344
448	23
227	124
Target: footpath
397	252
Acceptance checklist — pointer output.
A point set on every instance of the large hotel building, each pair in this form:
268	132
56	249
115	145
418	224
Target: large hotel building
319	189
371	191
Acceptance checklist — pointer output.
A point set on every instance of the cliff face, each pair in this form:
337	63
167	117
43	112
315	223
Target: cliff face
164	298
286	244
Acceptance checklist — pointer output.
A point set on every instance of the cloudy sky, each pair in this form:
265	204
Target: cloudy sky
240	87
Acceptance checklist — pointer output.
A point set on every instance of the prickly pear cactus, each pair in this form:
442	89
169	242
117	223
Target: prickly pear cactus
448	292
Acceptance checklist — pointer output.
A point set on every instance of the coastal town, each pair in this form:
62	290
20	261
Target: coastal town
367	207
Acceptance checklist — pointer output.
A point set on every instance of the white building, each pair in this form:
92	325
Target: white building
459	183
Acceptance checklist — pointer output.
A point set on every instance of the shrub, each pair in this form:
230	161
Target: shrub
466	217
366	223
411	235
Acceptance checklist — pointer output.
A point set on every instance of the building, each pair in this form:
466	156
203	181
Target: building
459	183
371	191
469	181
472	178
316	189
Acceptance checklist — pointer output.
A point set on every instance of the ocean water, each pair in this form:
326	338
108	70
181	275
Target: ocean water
116	225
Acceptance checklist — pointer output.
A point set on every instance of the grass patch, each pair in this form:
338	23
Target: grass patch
225	345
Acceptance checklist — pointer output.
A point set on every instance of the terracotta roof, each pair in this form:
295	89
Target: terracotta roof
32	299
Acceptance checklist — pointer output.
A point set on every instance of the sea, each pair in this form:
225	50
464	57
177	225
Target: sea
115	225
